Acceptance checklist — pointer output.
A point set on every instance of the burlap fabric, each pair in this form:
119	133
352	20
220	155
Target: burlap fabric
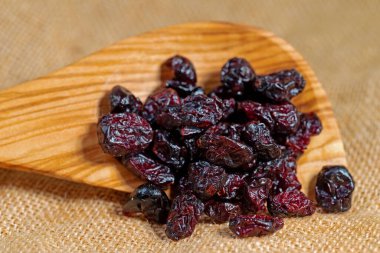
340	39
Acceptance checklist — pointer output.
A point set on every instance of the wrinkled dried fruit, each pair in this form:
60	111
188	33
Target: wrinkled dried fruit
183	216
258	136
149	200
310	125
184	89
224	151
179	68
221	211
256	194
122	100
191	148
149	169
255	225
124	134
232	187
334	189
292	203
280	86
168	150
207	179
232	131
237	75
160	101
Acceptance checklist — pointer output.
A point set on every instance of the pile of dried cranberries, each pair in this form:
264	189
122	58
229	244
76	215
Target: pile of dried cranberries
230	154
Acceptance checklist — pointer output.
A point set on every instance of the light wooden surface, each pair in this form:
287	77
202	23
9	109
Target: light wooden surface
48	125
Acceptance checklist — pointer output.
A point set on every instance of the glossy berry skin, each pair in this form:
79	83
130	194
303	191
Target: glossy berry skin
124	134
160	101
149	169
179	68
184	214
280	86
232	188
255	225
334	189
122	100
183	89
310	125
168	150
224	151
258	136
237	75
191	149
290	204
149	200
221	211
232	131
207	179
256	193
196	111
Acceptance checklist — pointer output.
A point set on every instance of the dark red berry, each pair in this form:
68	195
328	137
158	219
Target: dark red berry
191	149
184	89
222	92
224	151
149	169
280	86
190	132
183	216
237	75
149	200
256	111
158	102
256	194
221	211
255	225
334	189
310	125
258	136
122	100
197	111
232	131
291	203
232	188
179	68
168	150
124	134
207	179
285	117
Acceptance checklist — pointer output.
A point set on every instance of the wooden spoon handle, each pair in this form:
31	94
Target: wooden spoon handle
48	125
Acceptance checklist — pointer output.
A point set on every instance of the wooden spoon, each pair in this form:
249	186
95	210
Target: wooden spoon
48	125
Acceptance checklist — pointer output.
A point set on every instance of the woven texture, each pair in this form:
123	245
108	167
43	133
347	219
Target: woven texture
340	40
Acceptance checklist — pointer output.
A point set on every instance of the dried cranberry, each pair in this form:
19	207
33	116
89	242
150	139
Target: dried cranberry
257	112
149	169
122	100
280	86
292	203
221	211
124	134
183	216
207	179
282	172
149	200
232	131
310	125
221	92
191	148
334	189
160	101
232	187
224	151
168	150
255	225
258	136
179	68
184	89
183	186
237	75
190	131
256	194
198	111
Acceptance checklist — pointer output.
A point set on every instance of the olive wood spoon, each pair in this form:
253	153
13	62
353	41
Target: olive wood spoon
48	125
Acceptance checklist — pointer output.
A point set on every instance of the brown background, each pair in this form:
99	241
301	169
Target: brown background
340	40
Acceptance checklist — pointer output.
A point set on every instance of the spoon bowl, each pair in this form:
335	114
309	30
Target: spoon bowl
48	125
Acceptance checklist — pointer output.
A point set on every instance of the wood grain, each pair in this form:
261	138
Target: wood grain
48	125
